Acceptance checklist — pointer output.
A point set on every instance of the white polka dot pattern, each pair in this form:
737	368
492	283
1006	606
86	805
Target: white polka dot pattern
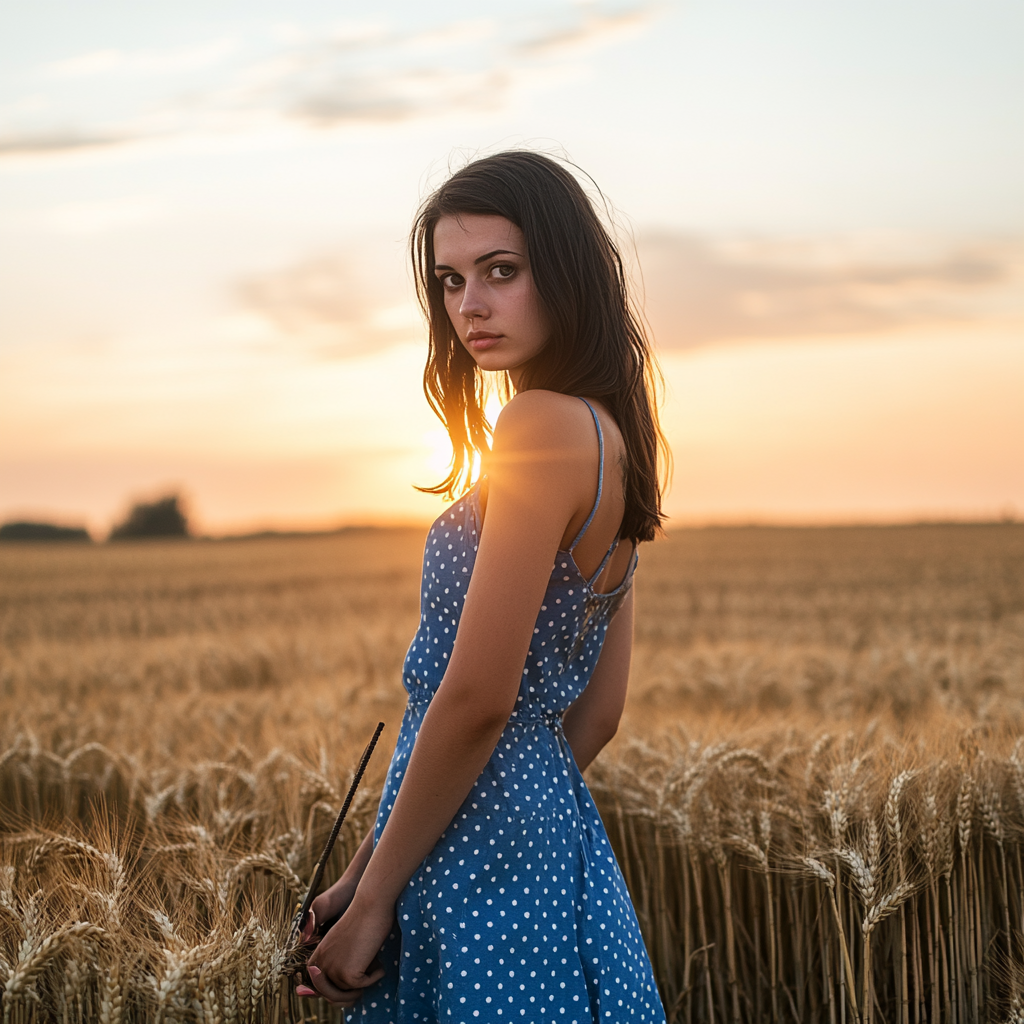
520	912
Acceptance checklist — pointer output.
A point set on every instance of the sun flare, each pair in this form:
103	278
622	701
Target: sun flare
437	446
493	408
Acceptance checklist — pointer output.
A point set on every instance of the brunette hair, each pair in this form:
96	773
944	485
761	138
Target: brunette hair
598	348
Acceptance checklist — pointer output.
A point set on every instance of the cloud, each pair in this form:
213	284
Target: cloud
334	306
57	142
103	63
592	29
398	97
379	75
700	291
325	80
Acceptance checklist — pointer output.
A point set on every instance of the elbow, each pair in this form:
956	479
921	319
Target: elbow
606	730
481	715
599	730
608	721
487	723
588	737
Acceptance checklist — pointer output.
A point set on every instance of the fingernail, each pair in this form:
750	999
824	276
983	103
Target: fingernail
314	972
304	990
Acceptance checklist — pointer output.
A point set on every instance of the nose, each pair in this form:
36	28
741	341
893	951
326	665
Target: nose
474	303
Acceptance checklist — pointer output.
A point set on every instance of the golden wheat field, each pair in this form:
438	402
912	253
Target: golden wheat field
817	794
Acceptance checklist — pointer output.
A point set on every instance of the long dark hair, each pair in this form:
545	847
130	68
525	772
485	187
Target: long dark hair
598	348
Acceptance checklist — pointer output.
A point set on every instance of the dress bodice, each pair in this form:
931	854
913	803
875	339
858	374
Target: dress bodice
571	623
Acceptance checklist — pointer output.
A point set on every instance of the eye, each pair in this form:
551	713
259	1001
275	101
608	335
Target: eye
503	271
451	281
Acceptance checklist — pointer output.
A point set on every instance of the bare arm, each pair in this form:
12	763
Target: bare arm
533	493
590	724
335	900
594	718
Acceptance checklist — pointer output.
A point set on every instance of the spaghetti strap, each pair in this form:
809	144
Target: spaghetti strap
600	481
604	561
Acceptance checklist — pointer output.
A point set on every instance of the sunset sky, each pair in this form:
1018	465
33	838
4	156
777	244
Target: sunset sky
203	217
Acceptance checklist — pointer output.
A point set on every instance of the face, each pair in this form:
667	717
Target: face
489	293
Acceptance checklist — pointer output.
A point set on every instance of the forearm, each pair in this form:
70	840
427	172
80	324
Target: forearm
454	744
335	900
357	865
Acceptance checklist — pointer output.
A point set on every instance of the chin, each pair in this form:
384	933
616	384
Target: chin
497	361
494	362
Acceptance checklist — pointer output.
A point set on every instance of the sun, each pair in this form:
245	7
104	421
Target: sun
492	408
439	450
438	446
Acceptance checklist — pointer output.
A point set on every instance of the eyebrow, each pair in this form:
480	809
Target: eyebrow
480	259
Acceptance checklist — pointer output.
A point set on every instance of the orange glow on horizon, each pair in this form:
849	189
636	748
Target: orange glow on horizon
880	428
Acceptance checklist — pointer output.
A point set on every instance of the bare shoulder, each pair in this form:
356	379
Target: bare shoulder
544	455
546	420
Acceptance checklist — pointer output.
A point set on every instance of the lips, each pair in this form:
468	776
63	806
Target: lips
481	341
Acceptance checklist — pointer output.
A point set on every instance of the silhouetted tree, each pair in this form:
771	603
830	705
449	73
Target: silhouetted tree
162	518
43	532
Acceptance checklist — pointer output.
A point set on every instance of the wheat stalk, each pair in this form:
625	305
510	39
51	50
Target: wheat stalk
821	872
33	957
111	998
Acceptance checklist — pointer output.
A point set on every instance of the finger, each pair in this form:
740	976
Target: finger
309	928
346	1004
351	997
330	991
375	974
326	925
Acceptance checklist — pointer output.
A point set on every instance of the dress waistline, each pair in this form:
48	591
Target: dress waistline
552	719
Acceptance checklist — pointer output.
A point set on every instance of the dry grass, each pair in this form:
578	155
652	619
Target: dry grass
817	795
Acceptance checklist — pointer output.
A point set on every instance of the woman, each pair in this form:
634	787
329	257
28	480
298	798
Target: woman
489	891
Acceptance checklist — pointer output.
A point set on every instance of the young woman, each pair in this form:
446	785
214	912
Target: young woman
489	891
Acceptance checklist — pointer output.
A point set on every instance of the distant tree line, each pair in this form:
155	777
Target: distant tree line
161	518
43	531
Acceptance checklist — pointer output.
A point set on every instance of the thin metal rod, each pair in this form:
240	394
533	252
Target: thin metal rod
318	875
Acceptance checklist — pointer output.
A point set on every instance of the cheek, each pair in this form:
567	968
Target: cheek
451	305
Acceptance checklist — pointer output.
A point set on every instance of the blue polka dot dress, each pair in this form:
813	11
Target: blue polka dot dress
520	912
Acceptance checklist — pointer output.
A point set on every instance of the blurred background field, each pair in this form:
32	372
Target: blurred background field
243	641
812	712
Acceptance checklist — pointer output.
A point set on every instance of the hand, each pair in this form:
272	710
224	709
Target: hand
346	961
327	907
